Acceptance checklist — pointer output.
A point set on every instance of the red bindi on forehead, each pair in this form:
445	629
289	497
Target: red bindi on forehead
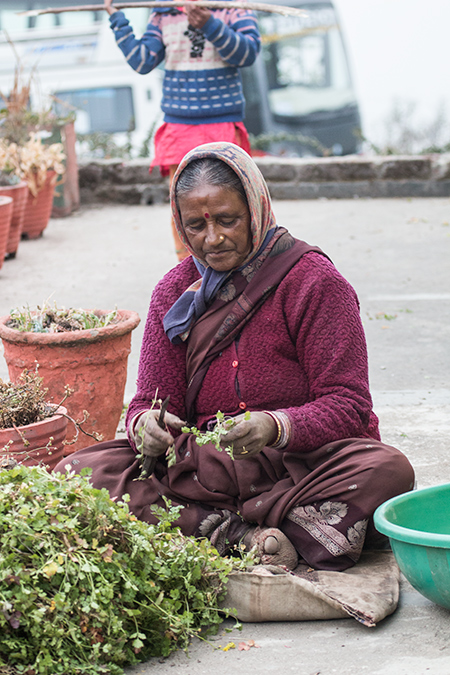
206	215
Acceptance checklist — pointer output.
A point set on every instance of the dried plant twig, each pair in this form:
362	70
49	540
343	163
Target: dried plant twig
148	462
211	4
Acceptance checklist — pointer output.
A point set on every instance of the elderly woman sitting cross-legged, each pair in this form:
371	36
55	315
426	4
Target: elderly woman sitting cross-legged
262	327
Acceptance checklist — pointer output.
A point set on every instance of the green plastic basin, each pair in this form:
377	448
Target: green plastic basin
418	526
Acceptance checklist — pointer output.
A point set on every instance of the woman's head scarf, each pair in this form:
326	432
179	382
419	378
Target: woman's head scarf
195	300
258	197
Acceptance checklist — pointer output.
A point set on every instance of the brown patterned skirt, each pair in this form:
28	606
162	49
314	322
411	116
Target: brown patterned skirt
323	500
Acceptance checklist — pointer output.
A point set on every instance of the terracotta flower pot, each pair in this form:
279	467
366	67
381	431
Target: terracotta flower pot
28	445
6	207
38	209
19	194
91	362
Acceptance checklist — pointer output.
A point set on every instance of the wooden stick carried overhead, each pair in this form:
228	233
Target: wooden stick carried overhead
211	4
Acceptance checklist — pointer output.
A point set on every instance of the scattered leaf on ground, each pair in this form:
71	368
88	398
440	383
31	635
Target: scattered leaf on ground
248	644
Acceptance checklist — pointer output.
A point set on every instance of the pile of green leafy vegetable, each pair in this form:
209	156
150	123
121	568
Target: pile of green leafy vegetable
85	587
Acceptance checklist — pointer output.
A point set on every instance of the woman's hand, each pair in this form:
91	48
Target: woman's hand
155	440
250	436
108	5
197	16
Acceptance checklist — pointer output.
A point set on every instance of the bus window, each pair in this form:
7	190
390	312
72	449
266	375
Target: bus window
10	21
137	16
70	19
42	22
45	21
107	109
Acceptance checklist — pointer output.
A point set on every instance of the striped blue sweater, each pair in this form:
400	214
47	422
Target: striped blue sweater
202	83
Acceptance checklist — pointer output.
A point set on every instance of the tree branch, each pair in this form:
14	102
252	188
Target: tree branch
211	4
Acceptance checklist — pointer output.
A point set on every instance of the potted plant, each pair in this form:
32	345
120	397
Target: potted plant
6	206
32	431
25	152
85	350
12	186
38	165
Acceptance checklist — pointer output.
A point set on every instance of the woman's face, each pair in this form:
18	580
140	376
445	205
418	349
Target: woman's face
216	222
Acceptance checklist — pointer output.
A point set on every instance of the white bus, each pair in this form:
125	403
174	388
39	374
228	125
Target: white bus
300	85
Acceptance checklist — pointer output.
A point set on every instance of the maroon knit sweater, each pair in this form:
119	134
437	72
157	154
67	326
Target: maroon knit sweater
303	352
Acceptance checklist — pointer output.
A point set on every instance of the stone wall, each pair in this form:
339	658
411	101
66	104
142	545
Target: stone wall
304	178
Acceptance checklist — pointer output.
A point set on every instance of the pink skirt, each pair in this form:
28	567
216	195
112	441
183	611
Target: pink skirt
174	141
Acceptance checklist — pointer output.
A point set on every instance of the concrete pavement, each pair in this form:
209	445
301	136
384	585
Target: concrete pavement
396	253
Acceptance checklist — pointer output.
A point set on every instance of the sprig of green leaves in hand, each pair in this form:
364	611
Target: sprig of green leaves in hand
222	427
170	452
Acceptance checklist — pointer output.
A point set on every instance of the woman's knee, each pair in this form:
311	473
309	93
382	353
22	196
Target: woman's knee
395	469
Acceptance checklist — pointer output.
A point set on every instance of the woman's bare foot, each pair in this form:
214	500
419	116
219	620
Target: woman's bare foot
274	548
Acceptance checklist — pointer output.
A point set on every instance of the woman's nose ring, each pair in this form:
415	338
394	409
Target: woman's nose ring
221	237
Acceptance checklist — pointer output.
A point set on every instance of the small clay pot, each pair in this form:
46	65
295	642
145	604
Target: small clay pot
6	207
38	209
93	363
29	445
19	195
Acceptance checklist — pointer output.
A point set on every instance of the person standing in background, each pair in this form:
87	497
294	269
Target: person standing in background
202	98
